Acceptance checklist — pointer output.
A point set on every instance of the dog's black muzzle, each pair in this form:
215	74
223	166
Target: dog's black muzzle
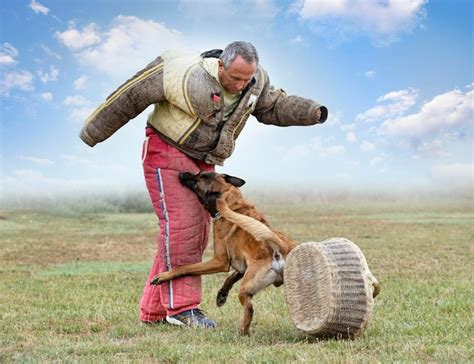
188	180
208	199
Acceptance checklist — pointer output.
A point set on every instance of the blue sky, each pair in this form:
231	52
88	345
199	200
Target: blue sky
396	76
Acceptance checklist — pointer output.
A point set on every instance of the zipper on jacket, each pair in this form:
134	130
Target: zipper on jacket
246	114
252	100
221	124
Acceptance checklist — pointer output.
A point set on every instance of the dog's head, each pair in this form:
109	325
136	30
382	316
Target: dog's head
209	186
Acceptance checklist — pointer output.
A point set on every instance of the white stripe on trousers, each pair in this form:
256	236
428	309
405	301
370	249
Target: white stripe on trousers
166	233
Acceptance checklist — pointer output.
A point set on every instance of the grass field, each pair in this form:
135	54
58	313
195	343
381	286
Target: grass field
70	285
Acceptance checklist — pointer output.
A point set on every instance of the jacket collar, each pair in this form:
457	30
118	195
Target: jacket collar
213	53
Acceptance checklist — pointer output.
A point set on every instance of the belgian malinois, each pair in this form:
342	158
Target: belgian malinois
243	241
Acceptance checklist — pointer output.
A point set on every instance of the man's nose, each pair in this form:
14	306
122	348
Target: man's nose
241	85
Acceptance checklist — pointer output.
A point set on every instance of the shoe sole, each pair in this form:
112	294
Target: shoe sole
176	322
173	321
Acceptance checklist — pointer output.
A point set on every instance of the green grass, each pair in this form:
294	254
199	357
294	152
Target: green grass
70	285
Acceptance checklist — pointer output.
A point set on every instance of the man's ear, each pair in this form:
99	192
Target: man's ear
234	181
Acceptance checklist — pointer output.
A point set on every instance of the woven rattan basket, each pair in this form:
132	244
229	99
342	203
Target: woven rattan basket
329	288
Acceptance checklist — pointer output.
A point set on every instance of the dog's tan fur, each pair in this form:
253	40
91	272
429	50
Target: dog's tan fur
243	240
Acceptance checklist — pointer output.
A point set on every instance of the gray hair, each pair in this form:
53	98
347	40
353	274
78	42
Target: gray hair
244	49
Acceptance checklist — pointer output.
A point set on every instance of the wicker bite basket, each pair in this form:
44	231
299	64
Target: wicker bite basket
329	288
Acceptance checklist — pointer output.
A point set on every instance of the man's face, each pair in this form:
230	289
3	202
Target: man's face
237	76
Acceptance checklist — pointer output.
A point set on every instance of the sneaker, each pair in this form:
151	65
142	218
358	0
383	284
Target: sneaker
191	318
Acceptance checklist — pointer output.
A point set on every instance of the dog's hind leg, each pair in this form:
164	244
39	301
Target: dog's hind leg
226	287
246	301
253	281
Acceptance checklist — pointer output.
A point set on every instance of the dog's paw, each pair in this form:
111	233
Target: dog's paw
244	331
221	298
156	280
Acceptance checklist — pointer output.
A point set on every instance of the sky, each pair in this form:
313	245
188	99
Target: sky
396	76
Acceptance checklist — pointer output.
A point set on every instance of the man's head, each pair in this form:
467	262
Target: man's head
237	65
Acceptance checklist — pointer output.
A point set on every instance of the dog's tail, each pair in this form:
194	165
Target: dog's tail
258	230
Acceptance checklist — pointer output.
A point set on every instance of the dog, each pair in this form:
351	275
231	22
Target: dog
243	242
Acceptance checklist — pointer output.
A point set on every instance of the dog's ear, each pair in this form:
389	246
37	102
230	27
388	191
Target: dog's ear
234	181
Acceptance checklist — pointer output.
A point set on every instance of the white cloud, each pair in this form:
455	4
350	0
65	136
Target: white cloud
298	40
8	53
80	114
344	176
27	174
444	113
37	161
334	118
80	107
51	76
326	147
50	52
225	9
75	39
31	181
455	174
80	83
452	135
47	96
377	160
370	74
297	152
38	8
6	59
123	49
333	150
367	146
212	9
76	100
382	21
317	146
433	149
22	80
69	158
392	104
351	137
262	8
434	130
346	127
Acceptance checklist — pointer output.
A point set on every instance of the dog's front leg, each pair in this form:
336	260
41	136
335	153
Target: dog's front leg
226	287
214	265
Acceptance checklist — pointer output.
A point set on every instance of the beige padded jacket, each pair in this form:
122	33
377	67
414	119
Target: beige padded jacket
188	107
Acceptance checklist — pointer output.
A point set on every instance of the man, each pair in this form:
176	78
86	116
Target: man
202	102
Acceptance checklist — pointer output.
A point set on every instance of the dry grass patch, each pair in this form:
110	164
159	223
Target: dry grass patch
71	284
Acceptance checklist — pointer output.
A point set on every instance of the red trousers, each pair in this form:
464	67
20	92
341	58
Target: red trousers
184	228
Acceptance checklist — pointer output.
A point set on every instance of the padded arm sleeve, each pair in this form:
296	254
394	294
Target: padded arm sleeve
275	107
124	104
